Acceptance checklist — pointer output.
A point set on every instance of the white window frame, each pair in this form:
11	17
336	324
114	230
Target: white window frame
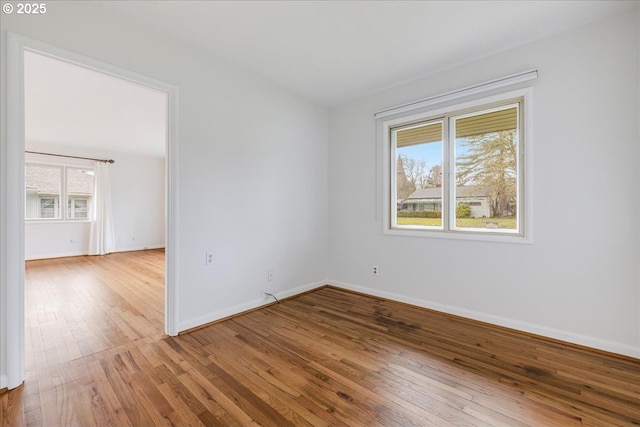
56	206
433	111
71	211
63	197
67	197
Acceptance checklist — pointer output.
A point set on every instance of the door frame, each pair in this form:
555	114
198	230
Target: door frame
14	248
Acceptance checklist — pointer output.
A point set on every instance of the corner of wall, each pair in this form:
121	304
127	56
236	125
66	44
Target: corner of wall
3	204
245	307
638	138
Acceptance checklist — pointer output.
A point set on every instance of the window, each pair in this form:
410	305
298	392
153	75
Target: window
47	185
78	209
457	170
49	207
79	189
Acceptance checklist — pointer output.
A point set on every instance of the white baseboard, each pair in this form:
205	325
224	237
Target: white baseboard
584	340
83	253
3	381
58	255
138	248
258	302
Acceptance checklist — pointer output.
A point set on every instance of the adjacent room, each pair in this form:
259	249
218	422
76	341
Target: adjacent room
368	213
80	201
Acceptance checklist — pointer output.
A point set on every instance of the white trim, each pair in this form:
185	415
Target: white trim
63	195
240	308
14	267
498	83
570	337
58	255
3	381
45	221
86	253
475	235
385	169
638	134
137	248
171	298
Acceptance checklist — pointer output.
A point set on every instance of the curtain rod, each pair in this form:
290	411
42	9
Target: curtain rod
72	157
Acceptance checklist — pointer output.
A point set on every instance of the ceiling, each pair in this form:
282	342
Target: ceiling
329	52
70	105
334	51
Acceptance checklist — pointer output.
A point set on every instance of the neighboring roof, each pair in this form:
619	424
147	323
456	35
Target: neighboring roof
47	180
43	179
436	192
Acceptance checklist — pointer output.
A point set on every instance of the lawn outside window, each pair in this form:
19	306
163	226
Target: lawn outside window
459	171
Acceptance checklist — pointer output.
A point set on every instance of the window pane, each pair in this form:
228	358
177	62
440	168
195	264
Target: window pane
419	175
43	186
49	208
78	209
79	192
486	170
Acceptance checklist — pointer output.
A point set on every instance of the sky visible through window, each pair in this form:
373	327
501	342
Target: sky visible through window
430	153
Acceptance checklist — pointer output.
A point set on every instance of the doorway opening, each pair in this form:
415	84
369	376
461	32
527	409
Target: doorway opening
17	48
95	155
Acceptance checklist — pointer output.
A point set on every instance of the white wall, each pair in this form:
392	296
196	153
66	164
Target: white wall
138	201
255	179
252	172
579	280
137	198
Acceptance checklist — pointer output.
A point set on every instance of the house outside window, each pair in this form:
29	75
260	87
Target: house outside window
47	185
79	190
457	170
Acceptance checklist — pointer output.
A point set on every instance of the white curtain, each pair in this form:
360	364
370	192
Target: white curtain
101	239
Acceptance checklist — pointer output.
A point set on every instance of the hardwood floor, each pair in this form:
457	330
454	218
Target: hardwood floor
83	305
328	357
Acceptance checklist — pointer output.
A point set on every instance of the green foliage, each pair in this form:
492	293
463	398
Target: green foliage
419	214
491	162
502	223
463	211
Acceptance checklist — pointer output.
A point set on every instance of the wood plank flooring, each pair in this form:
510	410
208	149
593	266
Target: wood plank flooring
328	357
83	305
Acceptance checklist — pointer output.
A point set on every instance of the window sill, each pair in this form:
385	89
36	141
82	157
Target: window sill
57	221
460	235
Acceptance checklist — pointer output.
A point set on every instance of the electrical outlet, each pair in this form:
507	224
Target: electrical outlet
270	276
375	270
209	259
